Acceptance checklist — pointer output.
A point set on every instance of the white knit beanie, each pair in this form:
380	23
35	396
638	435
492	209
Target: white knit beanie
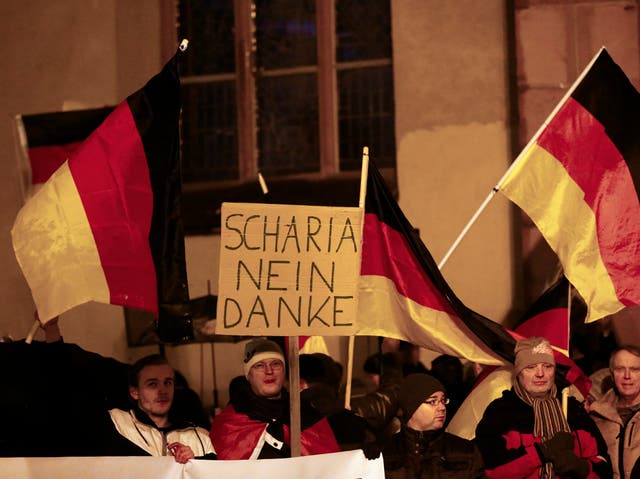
258	349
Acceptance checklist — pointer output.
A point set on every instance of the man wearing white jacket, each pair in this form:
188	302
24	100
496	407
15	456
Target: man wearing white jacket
149	424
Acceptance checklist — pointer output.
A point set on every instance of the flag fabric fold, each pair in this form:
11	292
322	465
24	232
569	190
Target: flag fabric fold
579	180
403	295
107	226
309	345
548	316
48	139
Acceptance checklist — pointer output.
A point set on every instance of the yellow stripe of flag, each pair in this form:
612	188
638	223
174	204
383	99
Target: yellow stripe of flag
540	175
56	250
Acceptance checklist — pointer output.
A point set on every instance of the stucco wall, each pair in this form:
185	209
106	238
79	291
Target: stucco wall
450	74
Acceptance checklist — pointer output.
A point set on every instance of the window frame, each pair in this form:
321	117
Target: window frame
202	200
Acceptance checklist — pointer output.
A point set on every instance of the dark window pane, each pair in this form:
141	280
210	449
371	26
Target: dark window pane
285	33
209	139
363	30
366	116
288	124
208	25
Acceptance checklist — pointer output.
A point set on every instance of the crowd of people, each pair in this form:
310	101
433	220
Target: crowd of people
530	431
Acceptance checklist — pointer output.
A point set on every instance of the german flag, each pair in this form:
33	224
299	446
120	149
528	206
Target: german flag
578	181
106	226
403	295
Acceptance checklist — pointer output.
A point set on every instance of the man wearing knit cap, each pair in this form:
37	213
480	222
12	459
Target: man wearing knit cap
525	434
422	449
255	423
263	365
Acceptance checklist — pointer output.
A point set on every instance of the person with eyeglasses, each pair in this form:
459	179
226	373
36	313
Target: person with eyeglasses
422	448
617	412
255	423
528	432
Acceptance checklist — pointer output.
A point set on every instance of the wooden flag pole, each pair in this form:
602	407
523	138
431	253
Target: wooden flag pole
294	396
352	339
535	137
565	391
263	185
568	316
32	332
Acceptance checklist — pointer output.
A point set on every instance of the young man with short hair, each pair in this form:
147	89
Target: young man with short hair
149	425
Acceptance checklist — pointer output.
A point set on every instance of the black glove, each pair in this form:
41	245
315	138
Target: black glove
560	444
570	465
371	450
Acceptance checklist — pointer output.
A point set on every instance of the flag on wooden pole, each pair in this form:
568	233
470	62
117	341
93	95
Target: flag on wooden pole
579	179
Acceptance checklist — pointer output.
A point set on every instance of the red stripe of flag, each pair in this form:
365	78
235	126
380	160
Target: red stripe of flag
573	136
387	254
116	194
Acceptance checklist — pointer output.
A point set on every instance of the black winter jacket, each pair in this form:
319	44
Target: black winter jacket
431	454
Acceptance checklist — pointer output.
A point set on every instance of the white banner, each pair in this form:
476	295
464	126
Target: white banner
288	270
340	465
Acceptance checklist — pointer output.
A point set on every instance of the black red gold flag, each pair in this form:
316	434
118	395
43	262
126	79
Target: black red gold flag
403	295
107	226
578	180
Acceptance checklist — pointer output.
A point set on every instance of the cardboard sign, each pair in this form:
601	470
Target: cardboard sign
288	270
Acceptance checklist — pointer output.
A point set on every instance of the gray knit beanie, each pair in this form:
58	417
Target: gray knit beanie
532	351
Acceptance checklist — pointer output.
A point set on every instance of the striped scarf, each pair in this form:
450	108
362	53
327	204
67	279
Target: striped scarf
548	418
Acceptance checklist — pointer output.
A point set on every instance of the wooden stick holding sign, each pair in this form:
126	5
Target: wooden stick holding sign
295	420
294	396
352	343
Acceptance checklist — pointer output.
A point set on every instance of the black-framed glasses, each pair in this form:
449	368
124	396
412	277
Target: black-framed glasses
433	402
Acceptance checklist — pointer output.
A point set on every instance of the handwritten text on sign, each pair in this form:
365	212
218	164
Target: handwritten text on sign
288	270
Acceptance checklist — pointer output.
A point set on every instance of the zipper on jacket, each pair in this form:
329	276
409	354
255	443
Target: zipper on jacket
621	437
195	431
164	443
